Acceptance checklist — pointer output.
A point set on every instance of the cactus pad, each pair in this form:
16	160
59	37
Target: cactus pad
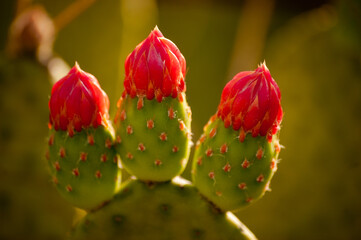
153	139
84	167
231	173
169	210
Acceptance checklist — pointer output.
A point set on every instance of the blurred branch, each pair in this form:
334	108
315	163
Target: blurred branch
251	35
71	12
21	5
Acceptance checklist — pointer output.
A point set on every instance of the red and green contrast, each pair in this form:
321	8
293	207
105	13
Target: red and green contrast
153	119
236	156
82	157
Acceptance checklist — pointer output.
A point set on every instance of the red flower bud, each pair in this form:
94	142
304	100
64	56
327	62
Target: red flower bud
156	68
77	102
251	101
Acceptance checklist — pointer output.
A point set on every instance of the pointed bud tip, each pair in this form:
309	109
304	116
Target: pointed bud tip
77	70
76	66
263	64
262	68
251	101
157	32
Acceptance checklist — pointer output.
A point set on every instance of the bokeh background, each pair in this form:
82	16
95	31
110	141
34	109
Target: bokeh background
312	48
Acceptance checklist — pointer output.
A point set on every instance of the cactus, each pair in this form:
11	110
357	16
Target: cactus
236	156
153	118
172	210
29	205
233	164
81	155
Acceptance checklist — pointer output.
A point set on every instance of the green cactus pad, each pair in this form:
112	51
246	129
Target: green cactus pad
85	166
153	138
169	210
230	173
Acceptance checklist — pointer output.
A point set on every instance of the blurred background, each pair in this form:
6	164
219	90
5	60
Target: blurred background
312	48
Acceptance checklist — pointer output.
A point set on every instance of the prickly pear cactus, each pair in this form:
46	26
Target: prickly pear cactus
82	158
153	118
236	156
172	210
234	161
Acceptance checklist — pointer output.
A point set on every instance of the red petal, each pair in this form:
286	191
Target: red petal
129	63
274	105
252	115
174	69
141	77
241	102
174	49
167	84
155	67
